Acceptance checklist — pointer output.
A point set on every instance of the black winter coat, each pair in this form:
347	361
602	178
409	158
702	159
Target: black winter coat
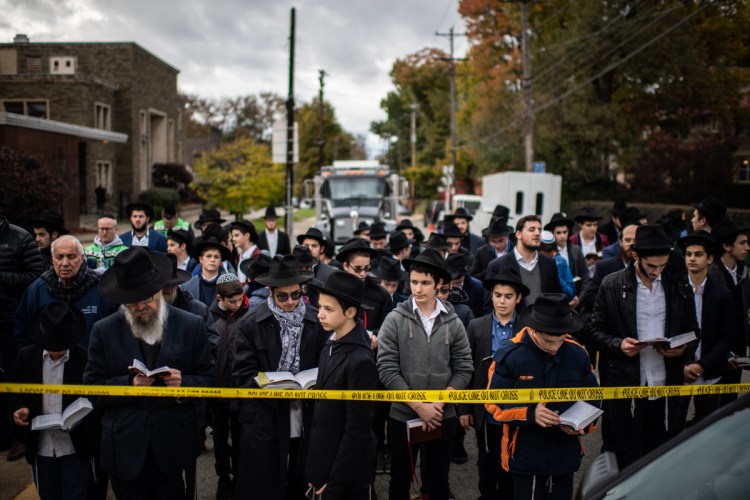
614	318
380	300
20	265
741	301
342	446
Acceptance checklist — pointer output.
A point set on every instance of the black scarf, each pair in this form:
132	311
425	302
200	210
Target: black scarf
75	288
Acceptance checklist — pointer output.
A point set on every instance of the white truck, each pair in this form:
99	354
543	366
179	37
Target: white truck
525	193
349	192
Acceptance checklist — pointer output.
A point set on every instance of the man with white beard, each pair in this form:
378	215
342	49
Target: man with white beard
147	442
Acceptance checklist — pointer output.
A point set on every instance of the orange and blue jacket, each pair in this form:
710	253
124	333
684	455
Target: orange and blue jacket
527	448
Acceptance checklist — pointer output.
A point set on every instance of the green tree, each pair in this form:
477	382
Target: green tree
238	176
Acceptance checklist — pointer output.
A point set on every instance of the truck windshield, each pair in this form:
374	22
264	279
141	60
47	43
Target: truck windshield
363	190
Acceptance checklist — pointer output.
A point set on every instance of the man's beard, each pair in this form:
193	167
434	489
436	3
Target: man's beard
149	330
139	229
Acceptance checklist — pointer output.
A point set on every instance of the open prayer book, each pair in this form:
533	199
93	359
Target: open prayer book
580	415
287	380
743	362
66	420
138	368
417	434
673	342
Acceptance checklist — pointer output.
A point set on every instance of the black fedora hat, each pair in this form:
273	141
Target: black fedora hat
247	227
702	238
456	264
312	233
284	271
498	228
651	237
208	216
507	277
270	213
462	213
205	242
182	236
559	219
135	275
51	220
405	224
355	245
501	211
148	209
725	231
587	214
712	208
432	260
437	241
452	231
631	216
618	208
361	228
344	286
551	314
179	276
303	256
57	326
377	231
398	241
389	269
252	268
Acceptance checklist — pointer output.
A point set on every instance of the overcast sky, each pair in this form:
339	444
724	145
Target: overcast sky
238	47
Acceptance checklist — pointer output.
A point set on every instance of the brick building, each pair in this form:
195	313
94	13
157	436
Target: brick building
118	87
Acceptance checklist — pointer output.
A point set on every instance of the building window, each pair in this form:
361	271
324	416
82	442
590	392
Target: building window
102	118
63	65
34	64
744	169
104	175
30	107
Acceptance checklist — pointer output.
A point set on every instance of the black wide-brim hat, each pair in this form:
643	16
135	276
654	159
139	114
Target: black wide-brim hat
52	220
452	231
651	237
57	326
208	216
437	241
712	207
135	275
182	236
462	213
456	264
140	206
203	243
498	228
508	277
701	238
312	233
252	268
551	314
631	216
284	271
559	219
377	231
247	226
726	229
270	213
390	269
405	224
587	214
344	286
501	211
179	276
361	228
303	256
353	245
398	241
429	259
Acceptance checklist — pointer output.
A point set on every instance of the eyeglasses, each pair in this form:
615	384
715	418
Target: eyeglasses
106	229
283	297
360	269
144	301
445	289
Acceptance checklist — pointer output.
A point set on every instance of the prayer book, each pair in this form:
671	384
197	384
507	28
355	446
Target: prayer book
287	380
580	415
742	362
66	420
417	434
139	368
673	342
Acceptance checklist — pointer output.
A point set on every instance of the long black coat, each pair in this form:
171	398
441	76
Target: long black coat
283	247
132	425
265	422
342	446
29	370
380	300
547	271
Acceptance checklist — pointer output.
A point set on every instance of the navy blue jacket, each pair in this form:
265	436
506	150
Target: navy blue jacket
475	290
521	364
156	241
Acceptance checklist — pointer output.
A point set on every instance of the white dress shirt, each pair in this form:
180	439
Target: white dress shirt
528	265
139	242
53	442
651	318
273	241
428	321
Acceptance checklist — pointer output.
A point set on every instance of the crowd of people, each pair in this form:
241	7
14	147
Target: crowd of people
567	302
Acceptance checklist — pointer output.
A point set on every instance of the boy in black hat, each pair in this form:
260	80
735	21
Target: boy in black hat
244	239
208	218
486	334
210	254
47	228
588	238
378	236
272	238
392	278
461	218
641	302
341	456
140	214
541	455
60	459
256	293
498	235
180	244
708	213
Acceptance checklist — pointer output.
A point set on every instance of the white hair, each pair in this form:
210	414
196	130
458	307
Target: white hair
67	237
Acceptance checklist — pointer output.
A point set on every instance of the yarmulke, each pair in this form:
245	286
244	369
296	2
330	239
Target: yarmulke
547	237
226	278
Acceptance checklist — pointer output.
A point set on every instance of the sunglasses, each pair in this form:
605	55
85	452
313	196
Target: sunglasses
283	297
359	269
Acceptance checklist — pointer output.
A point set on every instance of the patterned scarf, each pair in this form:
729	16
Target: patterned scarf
76	288
291	329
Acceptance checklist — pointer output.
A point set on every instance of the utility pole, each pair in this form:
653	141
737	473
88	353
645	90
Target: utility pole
289	212
414	106
321	113
526	56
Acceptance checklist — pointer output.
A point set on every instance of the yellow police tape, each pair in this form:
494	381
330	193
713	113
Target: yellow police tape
462	396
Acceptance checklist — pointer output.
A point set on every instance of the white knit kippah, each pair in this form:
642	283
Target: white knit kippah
226	278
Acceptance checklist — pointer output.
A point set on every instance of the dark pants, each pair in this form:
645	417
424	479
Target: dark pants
150	483
641	425
403	457
66	478
336	491
733	377
7	362
226	455
539	487
494	482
